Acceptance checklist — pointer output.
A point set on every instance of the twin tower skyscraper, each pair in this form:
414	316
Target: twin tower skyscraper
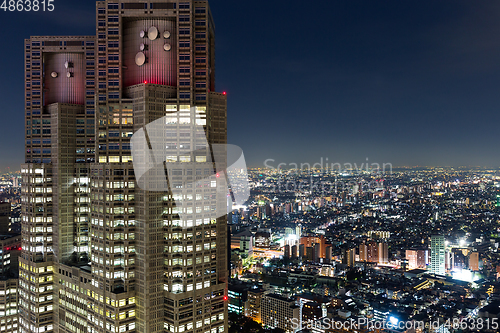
105	251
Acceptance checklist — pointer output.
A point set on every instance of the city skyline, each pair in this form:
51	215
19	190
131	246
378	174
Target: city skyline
200	166
400	83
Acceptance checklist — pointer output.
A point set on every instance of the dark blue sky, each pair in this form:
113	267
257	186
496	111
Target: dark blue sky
401	82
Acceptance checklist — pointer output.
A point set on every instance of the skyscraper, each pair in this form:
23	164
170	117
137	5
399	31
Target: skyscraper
383	253
103	250
349	257
369	251
437	255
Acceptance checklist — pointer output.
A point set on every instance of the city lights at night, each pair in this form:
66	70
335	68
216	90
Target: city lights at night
208	166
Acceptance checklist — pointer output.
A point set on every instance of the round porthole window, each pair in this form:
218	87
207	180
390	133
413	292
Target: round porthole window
153	33
140	59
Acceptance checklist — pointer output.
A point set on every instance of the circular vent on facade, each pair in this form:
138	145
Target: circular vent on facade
143	47
166	34
142	33
167	47
54	74
153	33
140	59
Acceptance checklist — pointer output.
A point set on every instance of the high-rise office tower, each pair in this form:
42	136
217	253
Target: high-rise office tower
363	252
383	253
286	254
369	251
373	254
316	252
302	249
103	250
294	252
351	257
437	255
328	256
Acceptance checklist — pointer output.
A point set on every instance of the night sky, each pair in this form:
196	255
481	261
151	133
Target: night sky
401	82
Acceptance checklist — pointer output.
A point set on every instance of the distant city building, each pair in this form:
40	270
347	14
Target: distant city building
369	252
16	182
301	251
235	218
383	253
350	257
238	294
379	234
316	252
10	249
279	312
363	252
244	242
311	311
309	241
294	252
448	260
474	261
263	239
309	253
437	255
287	252
298	231
5	217
254	302
9	308
328	255
459	258
417	258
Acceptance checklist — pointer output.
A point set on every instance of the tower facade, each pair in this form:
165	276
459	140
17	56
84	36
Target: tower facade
104	250
437	255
